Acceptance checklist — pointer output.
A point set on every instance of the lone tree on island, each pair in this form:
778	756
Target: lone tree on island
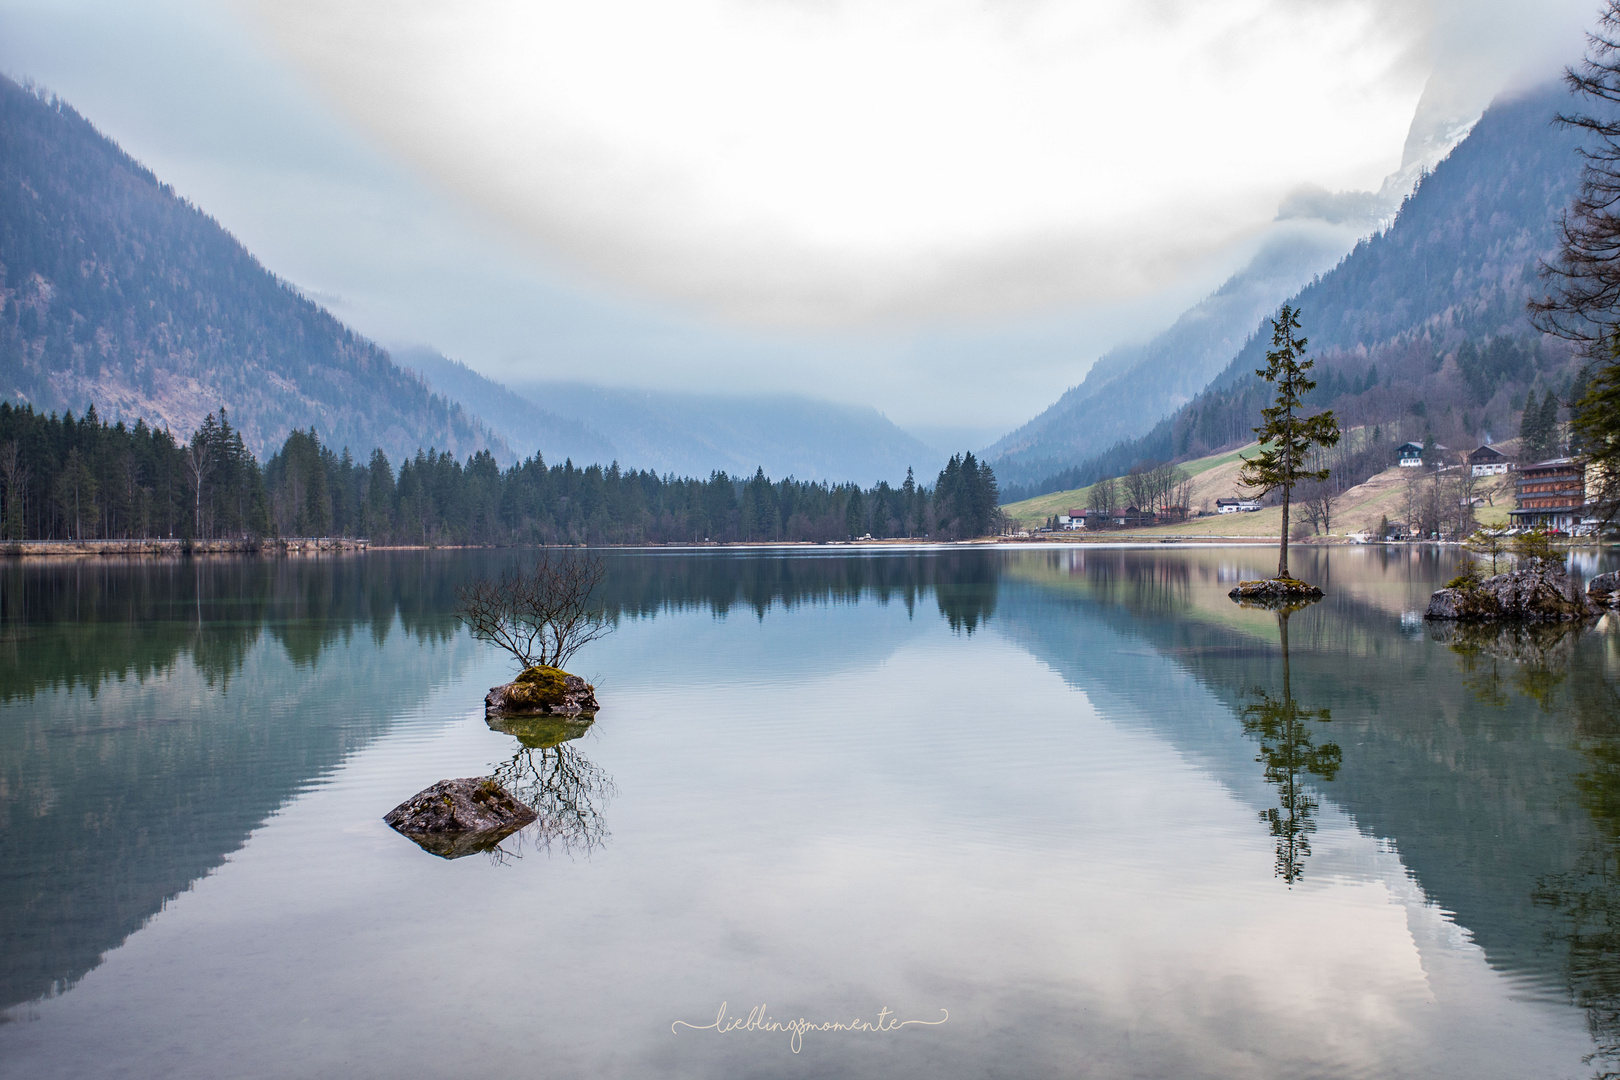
542	615
1286	437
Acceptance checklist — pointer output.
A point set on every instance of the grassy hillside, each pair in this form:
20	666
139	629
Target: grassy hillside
1215	477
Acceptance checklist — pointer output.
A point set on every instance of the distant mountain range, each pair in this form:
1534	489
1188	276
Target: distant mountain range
685	434
1389	322
786	435
116	292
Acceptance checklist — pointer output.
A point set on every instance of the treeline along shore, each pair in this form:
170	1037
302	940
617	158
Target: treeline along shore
81	481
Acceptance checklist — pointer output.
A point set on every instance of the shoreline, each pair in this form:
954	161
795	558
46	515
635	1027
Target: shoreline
318	546
170	548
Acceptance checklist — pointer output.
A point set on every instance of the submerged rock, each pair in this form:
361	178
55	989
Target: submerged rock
542	691
1604	590
1535	593
460	817
1275	589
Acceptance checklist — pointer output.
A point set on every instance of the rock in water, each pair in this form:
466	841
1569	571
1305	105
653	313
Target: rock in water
1604	590
542	691
1537	593
1274	589
460	817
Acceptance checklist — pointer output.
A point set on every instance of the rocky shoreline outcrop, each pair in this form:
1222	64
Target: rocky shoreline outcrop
1539	592
542	691
460	817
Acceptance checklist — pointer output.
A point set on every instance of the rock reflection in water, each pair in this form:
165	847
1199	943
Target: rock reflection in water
1532	658
565	788
1288	752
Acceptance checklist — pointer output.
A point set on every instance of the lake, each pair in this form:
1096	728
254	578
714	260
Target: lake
997	812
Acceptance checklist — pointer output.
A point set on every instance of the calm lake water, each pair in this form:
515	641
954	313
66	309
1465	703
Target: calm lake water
1072	810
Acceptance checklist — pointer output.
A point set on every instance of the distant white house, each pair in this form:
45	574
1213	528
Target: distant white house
1410	455
1236	506
1488	461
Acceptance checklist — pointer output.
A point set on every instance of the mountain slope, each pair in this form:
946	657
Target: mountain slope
523	425
1422	329
786	435
1131	388
114	291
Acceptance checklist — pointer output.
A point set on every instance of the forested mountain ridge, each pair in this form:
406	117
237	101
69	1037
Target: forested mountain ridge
1422	330
116	292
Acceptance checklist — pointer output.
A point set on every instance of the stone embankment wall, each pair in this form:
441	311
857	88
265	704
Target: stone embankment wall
298	545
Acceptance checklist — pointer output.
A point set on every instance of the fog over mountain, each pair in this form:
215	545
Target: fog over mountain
786	435
1422	330
1133	387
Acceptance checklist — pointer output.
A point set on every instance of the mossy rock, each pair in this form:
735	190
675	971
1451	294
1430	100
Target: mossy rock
538	688
542	691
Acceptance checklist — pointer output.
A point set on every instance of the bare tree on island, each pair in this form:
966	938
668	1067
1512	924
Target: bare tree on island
543	615
1287	439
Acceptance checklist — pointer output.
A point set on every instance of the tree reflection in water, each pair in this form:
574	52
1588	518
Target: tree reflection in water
1585	900
567	789
1288	753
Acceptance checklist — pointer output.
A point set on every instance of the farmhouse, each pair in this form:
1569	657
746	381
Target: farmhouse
1488	461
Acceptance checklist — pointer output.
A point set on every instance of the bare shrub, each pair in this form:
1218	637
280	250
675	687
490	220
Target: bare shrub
542	615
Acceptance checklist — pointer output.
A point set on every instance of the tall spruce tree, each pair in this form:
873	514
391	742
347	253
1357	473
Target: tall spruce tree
1287	438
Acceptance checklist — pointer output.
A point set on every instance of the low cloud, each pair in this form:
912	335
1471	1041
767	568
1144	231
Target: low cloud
842	163
836	164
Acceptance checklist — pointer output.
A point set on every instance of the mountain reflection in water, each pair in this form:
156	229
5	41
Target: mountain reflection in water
153	715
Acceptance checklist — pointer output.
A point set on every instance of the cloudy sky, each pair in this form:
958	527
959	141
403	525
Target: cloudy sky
943	208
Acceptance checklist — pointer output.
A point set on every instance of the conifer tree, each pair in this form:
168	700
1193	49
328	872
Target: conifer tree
1583	305
1287	438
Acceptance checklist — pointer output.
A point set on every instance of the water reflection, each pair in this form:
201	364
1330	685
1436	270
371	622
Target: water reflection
1532	659
158	714
1287	750
1585	899
554	778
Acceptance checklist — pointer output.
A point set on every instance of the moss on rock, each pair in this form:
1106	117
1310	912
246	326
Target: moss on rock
539	687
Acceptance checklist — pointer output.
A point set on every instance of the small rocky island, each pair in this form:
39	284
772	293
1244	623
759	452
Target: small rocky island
460	817
542	691
1537	592
1277	588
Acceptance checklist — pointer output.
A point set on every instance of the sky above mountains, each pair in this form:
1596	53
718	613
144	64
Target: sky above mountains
945	209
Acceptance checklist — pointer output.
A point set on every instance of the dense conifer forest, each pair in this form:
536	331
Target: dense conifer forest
67	478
